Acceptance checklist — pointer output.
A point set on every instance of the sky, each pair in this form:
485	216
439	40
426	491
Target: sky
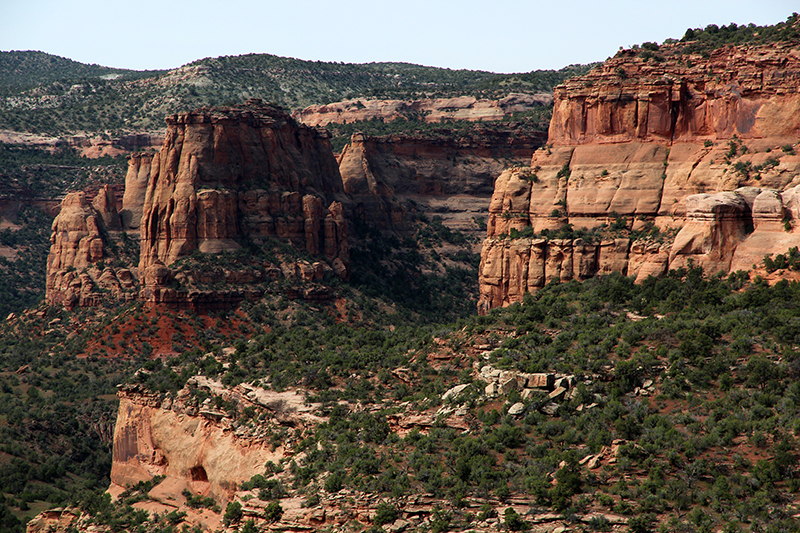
499	36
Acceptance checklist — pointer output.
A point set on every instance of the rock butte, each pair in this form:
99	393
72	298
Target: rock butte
707	149
221	174
231	172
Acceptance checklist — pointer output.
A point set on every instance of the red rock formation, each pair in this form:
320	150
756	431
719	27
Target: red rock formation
222	176
139	166
77	246
686	147
433	110
241	172
193	446
743	91
105	204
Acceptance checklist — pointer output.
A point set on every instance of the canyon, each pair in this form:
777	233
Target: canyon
226	177
701	150
648	166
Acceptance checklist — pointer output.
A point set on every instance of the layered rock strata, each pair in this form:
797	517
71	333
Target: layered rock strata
254	163
687	143
431	110
78	248
222	177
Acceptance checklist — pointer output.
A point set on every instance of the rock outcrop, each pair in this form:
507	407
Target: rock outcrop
219	165
431	110
228	175
223	177
78	247
686	144
195	447
136	179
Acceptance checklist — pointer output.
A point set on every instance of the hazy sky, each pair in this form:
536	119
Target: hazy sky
499	36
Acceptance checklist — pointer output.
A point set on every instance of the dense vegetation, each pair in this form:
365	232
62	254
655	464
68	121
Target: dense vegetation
713	36
688	383
57	416
28	172
714	448
22	276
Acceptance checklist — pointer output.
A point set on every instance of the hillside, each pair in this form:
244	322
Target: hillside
69	97
600	405
21	70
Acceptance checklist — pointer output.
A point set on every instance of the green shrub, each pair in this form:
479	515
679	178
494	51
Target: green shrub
385	514
273	512
513	521
233	513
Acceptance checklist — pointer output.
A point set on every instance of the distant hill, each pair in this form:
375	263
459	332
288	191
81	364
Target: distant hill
56	96
26	69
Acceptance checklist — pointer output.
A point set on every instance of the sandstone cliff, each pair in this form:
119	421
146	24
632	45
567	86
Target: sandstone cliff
223	177
76	272
431	110
219	165
684	144
227	175
136	179
194	445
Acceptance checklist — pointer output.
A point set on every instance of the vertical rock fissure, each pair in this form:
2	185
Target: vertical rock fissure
566	185
663	182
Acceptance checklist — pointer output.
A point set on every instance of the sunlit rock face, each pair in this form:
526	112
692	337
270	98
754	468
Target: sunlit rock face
81	234
704	147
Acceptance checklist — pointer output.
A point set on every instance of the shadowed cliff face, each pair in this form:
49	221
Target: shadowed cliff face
448	177
686	144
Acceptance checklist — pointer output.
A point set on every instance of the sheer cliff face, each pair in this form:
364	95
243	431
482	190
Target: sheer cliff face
750	92
686	147
448	177
222	175
232	172
136	179
194	448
